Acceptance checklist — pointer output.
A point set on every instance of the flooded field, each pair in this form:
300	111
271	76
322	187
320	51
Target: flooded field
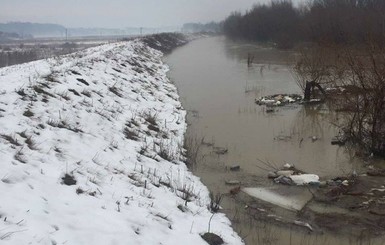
219	89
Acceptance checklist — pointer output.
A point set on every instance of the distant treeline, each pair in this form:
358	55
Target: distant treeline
336	21
199	27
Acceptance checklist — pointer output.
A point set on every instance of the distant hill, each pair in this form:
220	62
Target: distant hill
6	36
24	29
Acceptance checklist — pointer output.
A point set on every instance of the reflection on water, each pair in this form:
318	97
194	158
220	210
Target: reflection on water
216	83
262	56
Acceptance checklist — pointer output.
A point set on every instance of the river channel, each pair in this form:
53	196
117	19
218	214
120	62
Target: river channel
219	89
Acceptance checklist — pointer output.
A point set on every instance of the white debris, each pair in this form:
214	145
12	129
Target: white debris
287	166
304	179
295	199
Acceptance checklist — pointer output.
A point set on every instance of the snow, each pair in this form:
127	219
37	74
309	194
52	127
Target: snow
105	116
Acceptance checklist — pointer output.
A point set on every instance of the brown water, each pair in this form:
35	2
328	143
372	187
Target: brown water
218	89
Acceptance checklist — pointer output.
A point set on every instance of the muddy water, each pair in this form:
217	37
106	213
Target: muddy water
218	89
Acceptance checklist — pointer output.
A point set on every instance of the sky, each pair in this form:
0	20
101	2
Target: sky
120	13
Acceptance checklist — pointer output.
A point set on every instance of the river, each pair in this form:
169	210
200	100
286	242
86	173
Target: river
218	89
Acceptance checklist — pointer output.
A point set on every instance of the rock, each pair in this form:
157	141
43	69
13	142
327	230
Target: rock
212	239
220	150
272	175
269	110
235	168
283	180
323	184
338	141
235	190
345	183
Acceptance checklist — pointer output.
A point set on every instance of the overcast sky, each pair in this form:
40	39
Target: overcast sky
120	13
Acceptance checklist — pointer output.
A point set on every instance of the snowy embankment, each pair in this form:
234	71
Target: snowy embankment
90	149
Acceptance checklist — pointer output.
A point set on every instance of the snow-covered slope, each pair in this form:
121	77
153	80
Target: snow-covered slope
90	149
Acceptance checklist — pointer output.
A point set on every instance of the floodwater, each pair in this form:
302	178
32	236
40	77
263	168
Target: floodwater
218	89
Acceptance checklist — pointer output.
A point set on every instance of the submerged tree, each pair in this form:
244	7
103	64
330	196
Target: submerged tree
358	74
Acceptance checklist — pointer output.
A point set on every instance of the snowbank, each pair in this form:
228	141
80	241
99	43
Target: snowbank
90	149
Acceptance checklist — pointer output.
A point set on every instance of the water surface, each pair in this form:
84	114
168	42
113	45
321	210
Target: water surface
218	89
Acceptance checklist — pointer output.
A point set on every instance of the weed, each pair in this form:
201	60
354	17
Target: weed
114	145
64	124
86	93
40	90
44	99
186	192
10	139
166	152
134	122
51	78
57	149
115	91
83	81
20	157
28	113
153	128
79	191
131	133
21	92
151	118
64	95
215	201
31	143
193	146
74	92
98	93
144	149
75	72
182	208
23	134
68	179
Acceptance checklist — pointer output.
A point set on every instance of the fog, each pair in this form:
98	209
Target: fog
121	13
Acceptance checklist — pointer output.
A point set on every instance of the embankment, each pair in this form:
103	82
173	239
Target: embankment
91	152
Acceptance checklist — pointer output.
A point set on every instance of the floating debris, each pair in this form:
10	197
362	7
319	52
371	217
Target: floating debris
220	150
289	175
232	182
314	138
304	224
305	179
235	168
279	99
339	140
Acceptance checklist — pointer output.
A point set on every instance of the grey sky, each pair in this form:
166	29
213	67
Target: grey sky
120	13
